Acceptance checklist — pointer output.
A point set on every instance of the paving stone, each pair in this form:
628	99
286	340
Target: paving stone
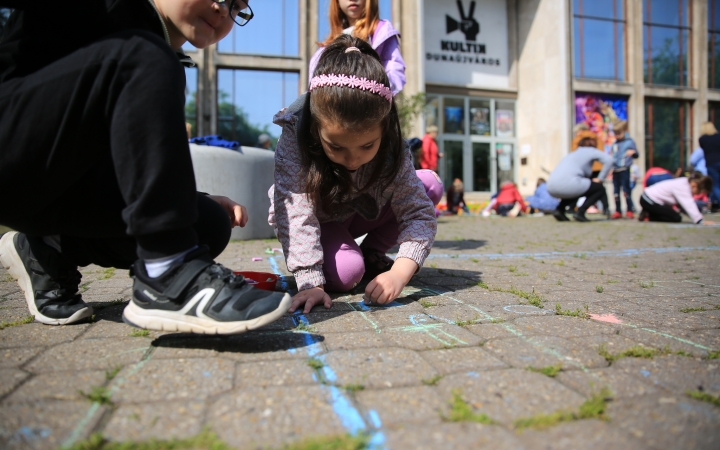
244	347
678	374
9	379
423	337
394	318
462	360
17	356
191	379
271	417
37	334
106	329
274	373
521	353
403	405
452	436
382	367
41	426
323	322
160	420
662	420
57	386
13	314
561	326
620	383
353	340
663	339
89	354
508	395
584	434
491	330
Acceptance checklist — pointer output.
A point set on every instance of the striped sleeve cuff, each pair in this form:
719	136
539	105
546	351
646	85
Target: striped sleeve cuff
416	251
309	278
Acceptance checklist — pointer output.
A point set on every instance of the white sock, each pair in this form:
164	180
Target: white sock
53	241
157	267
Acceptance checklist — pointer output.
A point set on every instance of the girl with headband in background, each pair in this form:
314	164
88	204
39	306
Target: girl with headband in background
342	170
361	18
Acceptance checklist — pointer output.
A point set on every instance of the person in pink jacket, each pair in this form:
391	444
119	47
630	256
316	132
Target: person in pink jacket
658	200
342	170
361	18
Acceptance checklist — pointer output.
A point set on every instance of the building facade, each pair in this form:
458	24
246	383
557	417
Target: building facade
506	81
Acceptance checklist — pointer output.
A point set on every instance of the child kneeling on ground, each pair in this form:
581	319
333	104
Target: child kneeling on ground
342	170
658	200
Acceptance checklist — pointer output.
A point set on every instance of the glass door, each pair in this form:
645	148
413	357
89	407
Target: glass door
505	169
482	167
453	162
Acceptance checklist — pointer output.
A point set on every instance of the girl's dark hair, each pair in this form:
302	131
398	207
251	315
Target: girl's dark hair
587	142
327	183
704	182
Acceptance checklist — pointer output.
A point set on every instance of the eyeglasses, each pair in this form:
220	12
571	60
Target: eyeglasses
240	12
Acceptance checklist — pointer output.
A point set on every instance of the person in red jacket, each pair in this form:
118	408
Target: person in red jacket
430	155
506	199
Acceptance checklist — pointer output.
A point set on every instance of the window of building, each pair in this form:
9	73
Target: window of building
281	17
191	84
667	133
714	113
599	35
248	100
714	44
666	36
385	7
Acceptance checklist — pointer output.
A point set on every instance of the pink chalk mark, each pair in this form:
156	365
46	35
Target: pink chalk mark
257	259
278	250
609	318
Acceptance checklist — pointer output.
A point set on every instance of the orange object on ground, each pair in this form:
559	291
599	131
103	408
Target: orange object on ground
261	280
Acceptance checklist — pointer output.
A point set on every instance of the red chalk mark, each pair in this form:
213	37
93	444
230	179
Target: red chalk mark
609	318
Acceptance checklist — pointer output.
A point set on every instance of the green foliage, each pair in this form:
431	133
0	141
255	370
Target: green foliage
23	321
233	122
483	285
549	371
637	351
568	312
705	397
139	333
303	327
647	284
531	297
342	442
353	387
107	273
408	108
461	411
98	394
206	440
315	364
715	354
512	269
592	408
689	310
110	374
433	380
599	289
427	303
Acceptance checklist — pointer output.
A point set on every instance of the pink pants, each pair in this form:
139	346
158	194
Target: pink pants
343	264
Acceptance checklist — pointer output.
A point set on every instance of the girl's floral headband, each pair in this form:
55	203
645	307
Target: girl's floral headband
353	82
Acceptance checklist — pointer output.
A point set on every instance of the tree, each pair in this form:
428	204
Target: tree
233	123
408	110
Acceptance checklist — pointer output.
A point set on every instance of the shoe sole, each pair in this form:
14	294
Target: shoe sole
158	320
10	259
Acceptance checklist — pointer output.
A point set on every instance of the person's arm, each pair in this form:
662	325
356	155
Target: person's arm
607	162
684	199
696	156
393	63
520	200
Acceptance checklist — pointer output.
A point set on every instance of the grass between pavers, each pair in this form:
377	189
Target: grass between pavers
639	351
549	371
107	273
208	440
715	354
98	394
531	297
302	326
461	411
315	364
23	321
592	408
704	397
433	381
136	332
569	312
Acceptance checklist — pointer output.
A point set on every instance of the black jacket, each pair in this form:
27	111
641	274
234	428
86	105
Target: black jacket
41	31
711	147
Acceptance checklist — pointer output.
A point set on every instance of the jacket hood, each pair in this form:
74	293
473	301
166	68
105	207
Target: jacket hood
383	32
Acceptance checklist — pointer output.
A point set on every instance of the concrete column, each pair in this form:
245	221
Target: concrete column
699	68
211	89
544	118
306	39
635	73
412	46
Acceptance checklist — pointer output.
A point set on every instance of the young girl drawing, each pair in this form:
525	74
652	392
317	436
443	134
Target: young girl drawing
342	170
361	18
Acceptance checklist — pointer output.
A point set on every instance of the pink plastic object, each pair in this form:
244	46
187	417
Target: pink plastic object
257	259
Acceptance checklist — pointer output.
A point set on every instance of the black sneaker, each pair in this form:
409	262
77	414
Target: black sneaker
200	296
49	281
580	217
560	216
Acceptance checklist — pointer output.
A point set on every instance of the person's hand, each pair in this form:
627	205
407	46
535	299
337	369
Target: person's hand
597	180
309	298
707	222
387	286
441	155
629	153
237	212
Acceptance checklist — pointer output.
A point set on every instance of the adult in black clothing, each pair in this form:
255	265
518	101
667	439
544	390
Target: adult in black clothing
710	143
95	164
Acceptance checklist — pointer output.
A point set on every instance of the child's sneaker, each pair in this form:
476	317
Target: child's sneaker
376	262
629	215
200	296
616	215
49	281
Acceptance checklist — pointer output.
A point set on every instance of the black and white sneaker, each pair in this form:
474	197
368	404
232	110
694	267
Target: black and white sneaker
200	296
49	281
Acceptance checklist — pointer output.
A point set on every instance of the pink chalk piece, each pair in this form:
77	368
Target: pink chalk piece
609	318
257	259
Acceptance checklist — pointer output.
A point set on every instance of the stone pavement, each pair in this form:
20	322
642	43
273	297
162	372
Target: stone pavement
518	333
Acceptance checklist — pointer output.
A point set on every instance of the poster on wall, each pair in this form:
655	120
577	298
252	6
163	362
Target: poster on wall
504	123
466	42
599	112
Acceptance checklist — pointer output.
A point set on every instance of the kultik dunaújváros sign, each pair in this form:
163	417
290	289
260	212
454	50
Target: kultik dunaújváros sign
466	43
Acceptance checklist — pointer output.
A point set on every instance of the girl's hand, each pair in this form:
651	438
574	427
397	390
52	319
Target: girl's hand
309	298
387	286
237	212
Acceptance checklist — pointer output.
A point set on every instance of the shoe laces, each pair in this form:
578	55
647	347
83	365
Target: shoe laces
220	272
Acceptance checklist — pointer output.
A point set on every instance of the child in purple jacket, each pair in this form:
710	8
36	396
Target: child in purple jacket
361	19
342	170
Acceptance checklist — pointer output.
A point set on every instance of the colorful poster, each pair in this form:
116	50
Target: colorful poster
599	111
504	123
